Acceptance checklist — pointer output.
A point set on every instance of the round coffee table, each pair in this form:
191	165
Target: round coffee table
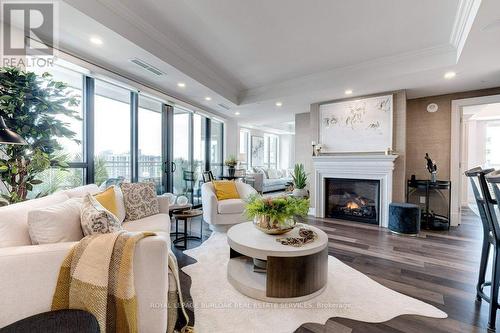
280	273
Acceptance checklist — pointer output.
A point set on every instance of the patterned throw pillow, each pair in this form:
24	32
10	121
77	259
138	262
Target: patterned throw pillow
140	200
95	219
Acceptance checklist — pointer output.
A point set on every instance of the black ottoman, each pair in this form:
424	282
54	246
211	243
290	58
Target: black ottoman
404	218
62	321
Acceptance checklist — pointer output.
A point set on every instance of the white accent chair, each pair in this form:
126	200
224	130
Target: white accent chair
221	215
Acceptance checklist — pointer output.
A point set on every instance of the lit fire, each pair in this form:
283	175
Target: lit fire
352	205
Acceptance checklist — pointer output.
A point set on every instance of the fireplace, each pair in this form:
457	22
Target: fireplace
353	199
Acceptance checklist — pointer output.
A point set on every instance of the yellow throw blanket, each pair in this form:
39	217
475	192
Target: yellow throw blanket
98	276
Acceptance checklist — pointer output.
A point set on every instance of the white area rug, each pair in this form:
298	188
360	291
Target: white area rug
349	294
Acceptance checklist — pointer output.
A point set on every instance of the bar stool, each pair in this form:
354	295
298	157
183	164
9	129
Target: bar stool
478	183
493	179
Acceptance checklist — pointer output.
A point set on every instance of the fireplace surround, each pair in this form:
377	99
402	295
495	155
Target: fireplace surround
377	167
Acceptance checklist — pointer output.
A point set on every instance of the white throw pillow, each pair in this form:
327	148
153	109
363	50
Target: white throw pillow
120	204
56	224
273	174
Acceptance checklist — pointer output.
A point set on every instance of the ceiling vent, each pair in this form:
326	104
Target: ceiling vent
146	66
224	106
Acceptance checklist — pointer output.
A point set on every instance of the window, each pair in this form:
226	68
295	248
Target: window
149	141
243	150
216	143
111	147
111	132
273	151
492	144
54	179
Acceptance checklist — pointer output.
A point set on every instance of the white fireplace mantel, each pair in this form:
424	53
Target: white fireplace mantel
360	166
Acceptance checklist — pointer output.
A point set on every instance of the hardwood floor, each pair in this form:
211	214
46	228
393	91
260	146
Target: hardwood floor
439	268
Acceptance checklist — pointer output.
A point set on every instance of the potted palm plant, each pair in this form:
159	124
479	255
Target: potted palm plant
299	181
275	215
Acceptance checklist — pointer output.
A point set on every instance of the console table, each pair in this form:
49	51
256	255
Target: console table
290	274
431	220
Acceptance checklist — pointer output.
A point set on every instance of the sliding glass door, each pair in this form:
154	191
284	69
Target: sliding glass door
197	147
216	143
199	159
150	159
183	174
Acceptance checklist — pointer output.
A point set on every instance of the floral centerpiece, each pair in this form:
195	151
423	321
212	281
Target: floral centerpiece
275	215
231	163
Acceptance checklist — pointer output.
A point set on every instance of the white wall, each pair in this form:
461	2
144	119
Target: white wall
474	153
303	148
286	151
231	138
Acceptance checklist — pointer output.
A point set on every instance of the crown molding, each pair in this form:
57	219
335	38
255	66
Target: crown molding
466	14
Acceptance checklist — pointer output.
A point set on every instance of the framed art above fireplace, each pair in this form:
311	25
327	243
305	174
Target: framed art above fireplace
356	126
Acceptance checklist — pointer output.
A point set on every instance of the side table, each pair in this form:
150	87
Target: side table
186	216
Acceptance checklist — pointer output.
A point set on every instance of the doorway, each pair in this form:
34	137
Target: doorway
475	141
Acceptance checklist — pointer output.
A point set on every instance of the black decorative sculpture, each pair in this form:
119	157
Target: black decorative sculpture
431	167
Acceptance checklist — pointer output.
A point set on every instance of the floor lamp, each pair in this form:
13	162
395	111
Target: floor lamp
8	136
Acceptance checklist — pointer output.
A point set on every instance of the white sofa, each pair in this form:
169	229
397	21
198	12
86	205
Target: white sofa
220	215
28	273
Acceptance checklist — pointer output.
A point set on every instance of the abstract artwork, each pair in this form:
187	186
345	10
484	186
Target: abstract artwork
357	126
257	149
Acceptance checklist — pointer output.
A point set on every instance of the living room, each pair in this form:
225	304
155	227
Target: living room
232	166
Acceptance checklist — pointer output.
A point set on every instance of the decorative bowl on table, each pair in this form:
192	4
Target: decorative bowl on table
272	227
275	216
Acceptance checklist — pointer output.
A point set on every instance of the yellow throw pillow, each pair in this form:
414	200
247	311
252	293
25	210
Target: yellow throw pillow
225	190
108	200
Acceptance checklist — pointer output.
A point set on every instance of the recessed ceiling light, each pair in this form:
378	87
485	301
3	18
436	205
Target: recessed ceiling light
181	85
279	104
237	113
450	75
208	98
96	40
348	92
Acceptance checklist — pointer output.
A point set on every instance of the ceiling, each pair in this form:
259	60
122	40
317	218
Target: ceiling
248	55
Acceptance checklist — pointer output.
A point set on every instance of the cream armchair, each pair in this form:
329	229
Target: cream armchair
220	215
